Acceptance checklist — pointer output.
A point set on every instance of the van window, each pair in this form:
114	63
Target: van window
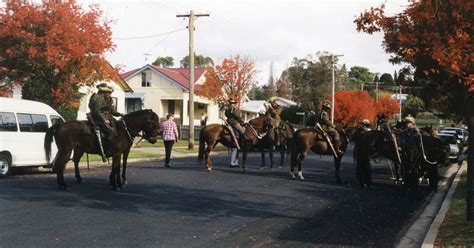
32	123
8	122
56	119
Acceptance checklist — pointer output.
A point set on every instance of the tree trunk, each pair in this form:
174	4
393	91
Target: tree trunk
470	160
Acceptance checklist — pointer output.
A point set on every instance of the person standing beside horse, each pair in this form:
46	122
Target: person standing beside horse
170	135
274	112
322	118
102	109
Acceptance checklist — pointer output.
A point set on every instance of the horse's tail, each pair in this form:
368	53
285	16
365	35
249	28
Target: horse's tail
201	145
48	139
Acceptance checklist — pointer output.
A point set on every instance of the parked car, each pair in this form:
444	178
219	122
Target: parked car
454	145
461	133
453	133
23	125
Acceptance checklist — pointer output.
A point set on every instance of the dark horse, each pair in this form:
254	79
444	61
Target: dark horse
212	134
285	138
370	145
77	135
307	139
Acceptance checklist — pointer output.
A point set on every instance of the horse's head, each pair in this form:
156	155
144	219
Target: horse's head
147	122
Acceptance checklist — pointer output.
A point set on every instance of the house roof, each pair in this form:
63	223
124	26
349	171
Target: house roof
121	81
177	75
253	106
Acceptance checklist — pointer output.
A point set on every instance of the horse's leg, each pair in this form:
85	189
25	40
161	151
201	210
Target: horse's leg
262	154
300	158
245	151
60	164
208	158
337	165
115	175
282	152
76	158
270	154
124	165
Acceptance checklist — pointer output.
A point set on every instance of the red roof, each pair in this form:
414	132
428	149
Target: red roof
178	75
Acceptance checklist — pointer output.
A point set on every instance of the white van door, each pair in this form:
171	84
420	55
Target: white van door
31	139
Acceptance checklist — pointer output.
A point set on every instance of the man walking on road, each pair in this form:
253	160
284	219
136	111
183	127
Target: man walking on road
170	135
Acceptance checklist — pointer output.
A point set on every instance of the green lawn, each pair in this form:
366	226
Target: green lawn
455	231
133	154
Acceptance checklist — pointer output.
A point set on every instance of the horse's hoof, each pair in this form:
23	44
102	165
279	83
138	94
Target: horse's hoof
125	182
209	169
292	175
261	167
79	181
63	187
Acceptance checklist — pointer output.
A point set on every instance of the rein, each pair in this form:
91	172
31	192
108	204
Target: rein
423	151
396	144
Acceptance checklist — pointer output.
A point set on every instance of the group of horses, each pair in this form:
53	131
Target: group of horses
414	156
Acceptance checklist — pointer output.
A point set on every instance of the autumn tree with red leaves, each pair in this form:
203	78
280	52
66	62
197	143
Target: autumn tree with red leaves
352	106
231	79
387	106
55	48
435	38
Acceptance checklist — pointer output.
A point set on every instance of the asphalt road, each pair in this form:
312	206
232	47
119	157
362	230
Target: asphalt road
185	206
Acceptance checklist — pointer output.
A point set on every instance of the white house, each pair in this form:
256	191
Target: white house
166	90
252	108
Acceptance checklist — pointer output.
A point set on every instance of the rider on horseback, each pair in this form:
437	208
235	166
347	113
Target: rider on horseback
273	112
322	117
233	117
365	125
102	109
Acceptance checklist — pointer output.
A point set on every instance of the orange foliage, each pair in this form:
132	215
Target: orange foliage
58	44
439	30
352	106
231	79
387	106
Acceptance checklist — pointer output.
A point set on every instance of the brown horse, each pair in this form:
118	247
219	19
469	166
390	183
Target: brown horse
212	134
285	138
307	139
78	136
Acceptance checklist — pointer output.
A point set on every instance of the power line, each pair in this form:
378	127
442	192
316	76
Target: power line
148	36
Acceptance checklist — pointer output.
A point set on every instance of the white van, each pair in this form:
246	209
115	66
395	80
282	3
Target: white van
23	126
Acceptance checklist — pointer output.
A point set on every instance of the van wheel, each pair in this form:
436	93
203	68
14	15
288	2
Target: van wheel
5	165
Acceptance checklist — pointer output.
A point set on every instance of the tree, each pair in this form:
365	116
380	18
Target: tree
52	49
413	106
387	106
387	79
271	87
311	79
434	37
361	74
258	93
352	106
199	61
164	61
231	79
283	85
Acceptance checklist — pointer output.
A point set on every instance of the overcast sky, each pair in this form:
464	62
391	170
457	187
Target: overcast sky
263	31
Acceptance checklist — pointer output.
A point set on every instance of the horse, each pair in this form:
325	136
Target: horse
370	145
285	137
79	136
212	134
307	139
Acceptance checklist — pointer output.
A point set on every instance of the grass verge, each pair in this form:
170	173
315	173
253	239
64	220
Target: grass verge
132	155
455	231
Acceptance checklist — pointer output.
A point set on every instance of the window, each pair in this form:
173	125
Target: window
56	119
26	123
146	78
33	123
8	122
115	101
171	106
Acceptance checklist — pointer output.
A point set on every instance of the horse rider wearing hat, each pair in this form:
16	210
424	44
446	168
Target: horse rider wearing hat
273	113
233	117
322	117
102	109
365	125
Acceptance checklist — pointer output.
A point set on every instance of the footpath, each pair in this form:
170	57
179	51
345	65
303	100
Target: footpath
423	230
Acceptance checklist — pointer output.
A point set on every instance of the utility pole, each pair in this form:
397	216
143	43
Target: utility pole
333	85
400	103
191	17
